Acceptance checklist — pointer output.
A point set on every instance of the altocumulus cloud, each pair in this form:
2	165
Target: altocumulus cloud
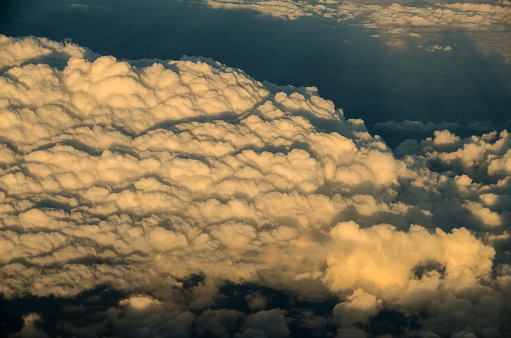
217	205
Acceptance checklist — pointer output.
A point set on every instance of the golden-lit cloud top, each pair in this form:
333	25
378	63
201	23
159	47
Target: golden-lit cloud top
139	175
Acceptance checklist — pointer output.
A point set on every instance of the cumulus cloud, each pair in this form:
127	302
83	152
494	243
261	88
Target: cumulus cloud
394	21
30	328
201	196
461	15
280	9
357	308
482	157
396	132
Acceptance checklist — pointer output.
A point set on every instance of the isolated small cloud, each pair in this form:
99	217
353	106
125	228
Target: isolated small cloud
79	6
30	328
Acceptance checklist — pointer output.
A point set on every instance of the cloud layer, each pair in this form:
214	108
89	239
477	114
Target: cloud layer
399	23
470	16
143	176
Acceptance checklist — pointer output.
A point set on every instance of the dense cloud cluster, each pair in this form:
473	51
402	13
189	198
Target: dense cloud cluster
197	193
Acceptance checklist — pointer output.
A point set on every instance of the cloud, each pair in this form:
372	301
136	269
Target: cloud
199	195
483	157
462	15
280	9
79	6
266	324
382	260
30	328
392	19
396	132
358	308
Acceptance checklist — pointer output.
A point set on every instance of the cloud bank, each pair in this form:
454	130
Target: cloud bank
201	196
382	15
399	23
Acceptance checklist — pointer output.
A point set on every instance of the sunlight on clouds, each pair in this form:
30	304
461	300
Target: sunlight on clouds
357	308
382	15
395	21
148	175
381	259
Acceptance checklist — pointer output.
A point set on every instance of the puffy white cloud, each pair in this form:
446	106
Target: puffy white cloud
383	260
17	52
480	157
358	307
141	175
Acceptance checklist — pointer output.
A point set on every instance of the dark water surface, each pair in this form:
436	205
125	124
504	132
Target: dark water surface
362	75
